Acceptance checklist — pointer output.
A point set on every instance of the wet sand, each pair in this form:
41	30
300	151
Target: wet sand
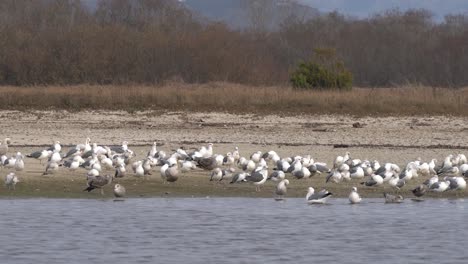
387	139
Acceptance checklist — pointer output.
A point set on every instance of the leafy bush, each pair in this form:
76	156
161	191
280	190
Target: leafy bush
324	71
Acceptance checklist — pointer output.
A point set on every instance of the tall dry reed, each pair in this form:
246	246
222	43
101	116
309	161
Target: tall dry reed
411	100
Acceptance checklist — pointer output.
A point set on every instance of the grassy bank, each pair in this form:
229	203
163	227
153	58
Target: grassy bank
235	98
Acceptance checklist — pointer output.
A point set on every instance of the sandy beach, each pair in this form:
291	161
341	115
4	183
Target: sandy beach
387	139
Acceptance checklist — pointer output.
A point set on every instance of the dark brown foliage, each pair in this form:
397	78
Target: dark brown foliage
150	41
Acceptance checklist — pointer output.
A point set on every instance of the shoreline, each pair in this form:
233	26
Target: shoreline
316	135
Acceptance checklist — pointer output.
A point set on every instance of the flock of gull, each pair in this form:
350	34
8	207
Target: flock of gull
448	175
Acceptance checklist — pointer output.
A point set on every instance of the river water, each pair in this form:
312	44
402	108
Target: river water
232	230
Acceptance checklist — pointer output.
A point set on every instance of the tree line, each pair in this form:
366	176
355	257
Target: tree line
151	41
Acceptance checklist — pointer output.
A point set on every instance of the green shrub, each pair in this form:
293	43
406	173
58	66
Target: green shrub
324	71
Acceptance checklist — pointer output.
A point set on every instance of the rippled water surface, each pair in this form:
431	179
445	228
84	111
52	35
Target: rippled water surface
232	230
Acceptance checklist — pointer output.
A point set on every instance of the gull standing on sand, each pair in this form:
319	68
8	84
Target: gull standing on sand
11	180
281	189
258	177
277	175
98	182
10	162
74	163
120	171
317	198
40	155
354	196
139	171
216	174
121	149
208	163
172	173
239	177
4	146
119	191
79	149
56	147
375	180
440	186
19	164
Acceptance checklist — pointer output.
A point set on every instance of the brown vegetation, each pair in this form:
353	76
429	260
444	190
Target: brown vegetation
239	98
62	42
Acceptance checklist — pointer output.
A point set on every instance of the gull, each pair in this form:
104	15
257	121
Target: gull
256	156
120	171
106	161
97	182
456	183
11	180
258	177
317	198
79	149
354	196
139	171
119	191
40	155
73	164
51	167
464	170
152	152
283	165
318	168
10	162
147	165
356	172
281	189
209	150
228	159
396	182
162	171
334	176
277	175
239	177
172	173
389	198
207	163
451	171
121	149
186	165
92	173
375	180
19	164
216	175
271	155
55	147
424	169
302	173
339	160
420	190
440	186
227	173
250	166
55	157
429	182
236	154
219	159
4	146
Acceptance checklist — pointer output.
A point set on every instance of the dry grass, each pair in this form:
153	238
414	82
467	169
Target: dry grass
412	100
